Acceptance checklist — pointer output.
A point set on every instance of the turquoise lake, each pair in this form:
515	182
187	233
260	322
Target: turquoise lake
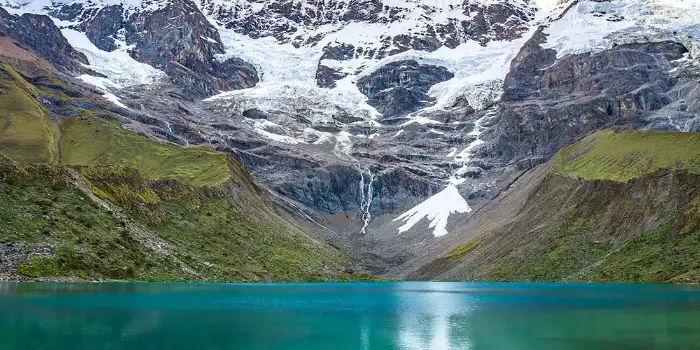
349	316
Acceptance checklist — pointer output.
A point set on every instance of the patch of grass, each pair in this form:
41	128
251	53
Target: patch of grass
553	255
621	156
214	235
654	256
463	249
96	142
87	241
26	134
231	247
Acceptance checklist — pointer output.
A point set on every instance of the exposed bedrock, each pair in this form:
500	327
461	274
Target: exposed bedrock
186	50
549	103
399	88
39	34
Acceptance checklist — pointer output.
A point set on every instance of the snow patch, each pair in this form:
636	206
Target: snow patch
437	209
44	6
121	70
114	99
595	26
288	81
343	144
464	157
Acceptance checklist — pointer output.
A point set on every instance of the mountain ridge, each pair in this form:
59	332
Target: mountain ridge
355	114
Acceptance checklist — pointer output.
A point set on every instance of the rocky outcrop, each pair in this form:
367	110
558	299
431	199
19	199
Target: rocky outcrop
309	22
175	38
102	25
327	76
550	103
38	33
399	88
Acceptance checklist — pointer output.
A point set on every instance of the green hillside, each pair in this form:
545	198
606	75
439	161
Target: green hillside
621	156
83	198
93	141
26	134
614	207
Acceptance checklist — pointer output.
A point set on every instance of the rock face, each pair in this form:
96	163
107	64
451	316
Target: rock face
401	87
188	50
371	29
549	103
303	22
39	34
327	76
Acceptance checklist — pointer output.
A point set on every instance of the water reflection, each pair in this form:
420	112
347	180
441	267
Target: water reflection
434	317
349	316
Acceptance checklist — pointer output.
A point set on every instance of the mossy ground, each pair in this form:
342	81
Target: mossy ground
462	250
621	156
41	207
93	141
655	256
597	236
212	238
558	253
26	134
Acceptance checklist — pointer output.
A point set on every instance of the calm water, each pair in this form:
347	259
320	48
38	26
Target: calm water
348	316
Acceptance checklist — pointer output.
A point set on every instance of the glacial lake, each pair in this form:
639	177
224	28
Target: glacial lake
349	316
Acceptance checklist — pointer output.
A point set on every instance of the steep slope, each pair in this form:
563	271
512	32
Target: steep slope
109	223
358	115
616	206
83	198
26	134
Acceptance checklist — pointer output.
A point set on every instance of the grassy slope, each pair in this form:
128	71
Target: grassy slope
26	134
206	235
654	256
592	230
186	214
93	141
621	156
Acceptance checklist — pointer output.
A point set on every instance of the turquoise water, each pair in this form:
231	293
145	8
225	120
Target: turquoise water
349	316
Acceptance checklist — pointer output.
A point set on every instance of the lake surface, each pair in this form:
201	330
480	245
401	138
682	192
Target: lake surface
349	316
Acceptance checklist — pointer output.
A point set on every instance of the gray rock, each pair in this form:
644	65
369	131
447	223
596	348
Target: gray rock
39	34
186	49
399	88
549	104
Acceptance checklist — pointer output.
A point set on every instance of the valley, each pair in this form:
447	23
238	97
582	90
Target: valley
334	140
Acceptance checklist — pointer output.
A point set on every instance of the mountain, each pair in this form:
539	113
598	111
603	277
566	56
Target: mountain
617	206
386	128
83	198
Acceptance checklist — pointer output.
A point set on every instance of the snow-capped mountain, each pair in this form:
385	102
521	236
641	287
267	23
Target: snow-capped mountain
387	123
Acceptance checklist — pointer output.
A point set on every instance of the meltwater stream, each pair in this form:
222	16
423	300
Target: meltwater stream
349	316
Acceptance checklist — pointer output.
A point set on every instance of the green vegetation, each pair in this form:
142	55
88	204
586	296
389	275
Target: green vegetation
591	229
87	199
553	255
40	207
654	256
183	233
462	250
25	132
621	156
93	141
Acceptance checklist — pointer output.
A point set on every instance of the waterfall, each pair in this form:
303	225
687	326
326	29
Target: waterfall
366	194
170	129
